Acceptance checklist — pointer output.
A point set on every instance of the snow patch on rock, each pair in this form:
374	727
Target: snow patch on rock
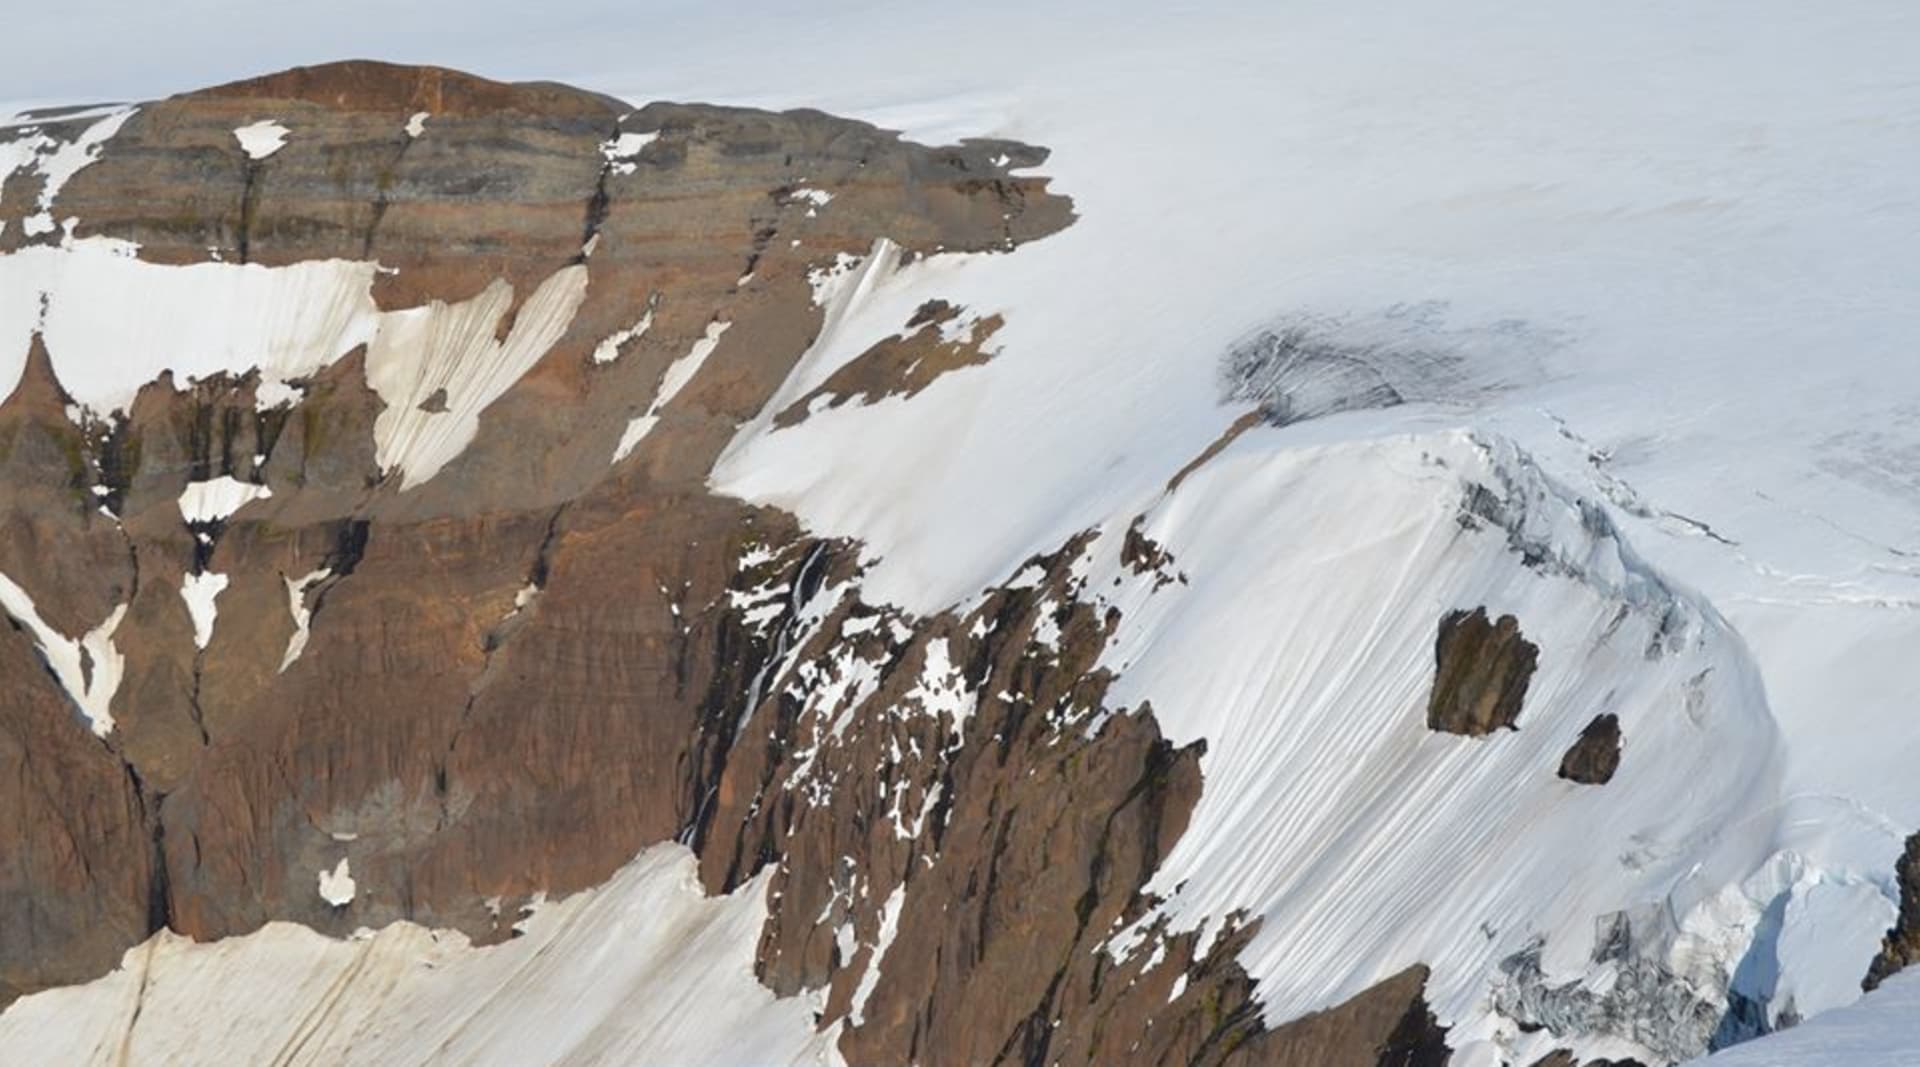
88	668
297	589
113	323
216	499
675	378
199	591
261	139
609	347
620	151
337	886
420	352
56	161
869	978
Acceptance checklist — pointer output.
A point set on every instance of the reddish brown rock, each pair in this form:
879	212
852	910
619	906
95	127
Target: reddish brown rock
1593	758
77	876
1482	668
903	364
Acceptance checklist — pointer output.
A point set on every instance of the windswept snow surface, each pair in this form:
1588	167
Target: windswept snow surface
644	969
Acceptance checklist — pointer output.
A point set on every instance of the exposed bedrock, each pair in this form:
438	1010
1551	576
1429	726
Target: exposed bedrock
1595	755
1482	667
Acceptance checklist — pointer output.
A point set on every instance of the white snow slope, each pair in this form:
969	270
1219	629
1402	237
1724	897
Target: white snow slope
1643	270
644	969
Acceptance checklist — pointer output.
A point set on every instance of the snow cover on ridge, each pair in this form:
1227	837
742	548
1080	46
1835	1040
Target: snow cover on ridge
1301	648
645	968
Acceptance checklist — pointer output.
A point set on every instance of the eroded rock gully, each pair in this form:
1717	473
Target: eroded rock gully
508	679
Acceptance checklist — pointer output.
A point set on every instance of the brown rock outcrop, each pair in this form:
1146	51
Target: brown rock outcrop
903	364
1592	759
1482	668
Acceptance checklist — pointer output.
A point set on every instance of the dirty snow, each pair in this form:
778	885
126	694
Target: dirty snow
645	968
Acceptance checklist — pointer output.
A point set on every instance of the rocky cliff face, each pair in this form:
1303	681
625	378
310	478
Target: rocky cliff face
421	609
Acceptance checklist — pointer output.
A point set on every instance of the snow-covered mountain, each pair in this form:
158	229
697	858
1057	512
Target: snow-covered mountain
1301	535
